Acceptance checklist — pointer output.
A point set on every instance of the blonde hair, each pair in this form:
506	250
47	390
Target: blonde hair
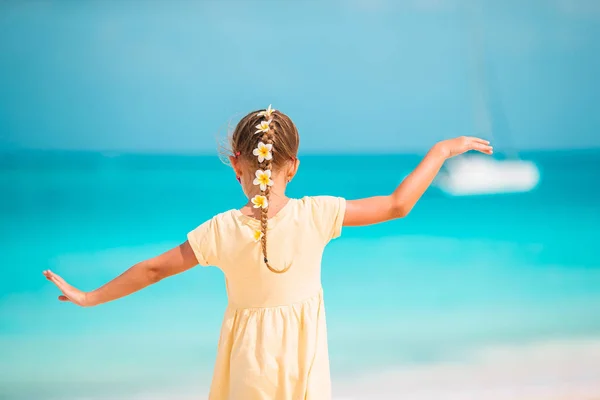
282	135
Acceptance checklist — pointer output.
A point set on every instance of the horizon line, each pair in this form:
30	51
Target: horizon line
407	152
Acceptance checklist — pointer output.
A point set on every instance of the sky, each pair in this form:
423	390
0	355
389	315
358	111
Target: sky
356	76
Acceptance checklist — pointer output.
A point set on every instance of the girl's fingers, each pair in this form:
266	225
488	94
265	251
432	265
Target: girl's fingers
69	293
51	274
482	141
486	150
63	287
483	148
58	277
476	141
58	281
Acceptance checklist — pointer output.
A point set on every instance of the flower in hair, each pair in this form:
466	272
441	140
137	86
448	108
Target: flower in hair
258	235
267	113
263	178
263	152
260	201
263	126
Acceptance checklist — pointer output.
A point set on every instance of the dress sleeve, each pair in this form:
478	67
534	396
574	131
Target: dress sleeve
204	241
328	213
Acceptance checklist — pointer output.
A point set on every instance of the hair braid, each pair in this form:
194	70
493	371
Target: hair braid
266	165
277	131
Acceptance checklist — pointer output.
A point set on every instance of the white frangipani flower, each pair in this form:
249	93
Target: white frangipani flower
263	152
260	201
263	179
258	235
267	113
263	126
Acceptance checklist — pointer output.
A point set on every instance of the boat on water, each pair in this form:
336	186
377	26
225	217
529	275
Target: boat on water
474	174
477	175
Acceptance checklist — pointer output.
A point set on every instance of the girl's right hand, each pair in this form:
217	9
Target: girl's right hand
462	144
69	293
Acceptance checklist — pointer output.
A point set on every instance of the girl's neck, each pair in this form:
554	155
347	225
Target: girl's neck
277	200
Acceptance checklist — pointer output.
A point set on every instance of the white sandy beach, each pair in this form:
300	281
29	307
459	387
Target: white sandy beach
543	371
558	370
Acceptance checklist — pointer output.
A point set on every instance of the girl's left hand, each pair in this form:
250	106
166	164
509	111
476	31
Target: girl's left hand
69	293
453	147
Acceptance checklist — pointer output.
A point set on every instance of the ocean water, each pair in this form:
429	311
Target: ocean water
497	293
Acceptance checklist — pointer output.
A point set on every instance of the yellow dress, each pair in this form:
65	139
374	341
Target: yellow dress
273	342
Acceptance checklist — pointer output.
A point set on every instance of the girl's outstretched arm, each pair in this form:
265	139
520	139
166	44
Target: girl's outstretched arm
139	276
377	209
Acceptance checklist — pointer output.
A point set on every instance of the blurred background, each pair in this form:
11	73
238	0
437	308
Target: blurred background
111	115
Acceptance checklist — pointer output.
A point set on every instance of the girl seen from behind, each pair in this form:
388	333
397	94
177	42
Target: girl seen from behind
273	341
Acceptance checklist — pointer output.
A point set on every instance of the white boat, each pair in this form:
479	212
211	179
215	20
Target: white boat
474	174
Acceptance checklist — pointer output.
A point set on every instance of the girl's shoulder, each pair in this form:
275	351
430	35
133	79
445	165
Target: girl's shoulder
321	201
219	220
326	213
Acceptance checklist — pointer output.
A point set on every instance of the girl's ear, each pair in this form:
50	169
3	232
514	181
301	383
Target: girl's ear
293	170
235	164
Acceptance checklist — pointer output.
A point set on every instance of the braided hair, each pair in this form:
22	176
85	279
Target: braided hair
269	139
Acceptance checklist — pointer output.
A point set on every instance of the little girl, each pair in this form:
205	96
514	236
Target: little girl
273	342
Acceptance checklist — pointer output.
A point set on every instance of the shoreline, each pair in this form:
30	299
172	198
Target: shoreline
543	370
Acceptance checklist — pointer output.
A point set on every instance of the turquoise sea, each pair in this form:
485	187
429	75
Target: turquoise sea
458	276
